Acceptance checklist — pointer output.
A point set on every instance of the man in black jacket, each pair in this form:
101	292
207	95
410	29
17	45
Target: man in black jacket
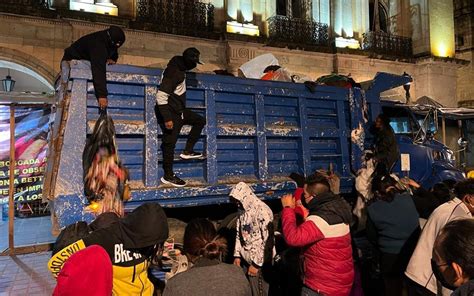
386	147
100	48
172	113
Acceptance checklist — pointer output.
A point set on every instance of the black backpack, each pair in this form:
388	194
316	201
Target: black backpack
71	234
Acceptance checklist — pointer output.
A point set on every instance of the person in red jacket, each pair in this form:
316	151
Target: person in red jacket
324	237
87	272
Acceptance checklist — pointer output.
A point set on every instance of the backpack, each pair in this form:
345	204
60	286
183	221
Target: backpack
71	234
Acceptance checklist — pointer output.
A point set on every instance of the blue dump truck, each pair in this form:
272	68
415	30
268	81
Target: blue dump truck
257	132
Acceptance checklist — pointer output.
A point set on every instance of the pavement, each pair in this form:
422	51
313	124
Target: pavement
26	275
27	232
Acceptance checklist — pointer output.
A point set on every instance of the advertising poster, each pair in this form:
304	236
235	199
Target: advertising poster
31	131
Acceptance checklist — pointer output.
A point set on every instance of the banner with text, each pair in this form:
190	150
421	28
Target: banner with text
31	131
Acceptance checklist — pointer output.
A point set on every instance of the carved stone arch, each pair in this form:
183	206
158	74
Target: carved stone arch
28	61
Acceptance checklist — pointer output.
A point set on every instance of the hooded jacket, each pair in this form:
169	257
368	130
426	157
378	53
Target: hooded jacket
171	97
386	147
129	244
254	239
97	48
326	243
465	290
75	280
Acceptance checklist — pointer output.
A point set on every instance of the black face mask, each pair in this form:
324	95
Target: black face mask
440	277
303	201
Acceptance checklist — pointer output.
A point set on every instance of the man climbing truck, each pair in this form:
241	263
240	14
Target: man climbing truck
172	114
100	48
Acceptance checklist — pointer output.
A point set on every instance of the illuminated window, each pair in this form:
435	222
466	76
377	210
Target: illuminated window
383	17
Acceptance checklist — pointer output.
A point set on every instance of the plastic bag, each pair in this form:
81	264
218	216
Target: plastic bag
279	74
255	67
105	178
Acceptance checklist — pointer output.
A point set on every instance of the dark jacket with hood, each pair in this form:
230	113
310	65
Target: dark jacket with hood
130	243
326	242
465	290
97	48
172	93
393	225
386	147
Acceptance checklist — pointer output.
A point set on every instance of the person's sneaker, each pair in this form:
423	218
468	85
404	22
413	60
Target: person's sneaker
190	155
173	180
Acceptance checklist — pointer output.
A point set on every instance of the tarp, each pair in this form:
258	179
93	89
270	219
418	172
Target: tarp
448	113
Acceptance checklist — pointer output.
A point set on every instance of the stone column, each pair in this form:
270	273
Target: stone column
399	18
441	14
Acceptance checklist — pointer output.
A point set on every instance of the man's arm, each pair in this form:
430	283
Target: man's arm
258	252
167	87
299	236
98	68
238	246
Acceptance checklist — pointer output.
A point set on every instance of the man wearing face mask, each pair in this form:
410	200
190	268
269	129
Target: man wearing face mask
452	261
100	48
324	237
419	271
172	113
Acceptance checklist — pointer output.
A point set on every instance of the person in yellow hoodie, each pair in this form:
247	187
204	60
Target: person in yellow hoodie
131	244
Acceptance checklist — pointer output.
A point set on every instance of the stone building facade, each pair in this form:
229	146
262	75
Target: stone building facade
37	41
464	24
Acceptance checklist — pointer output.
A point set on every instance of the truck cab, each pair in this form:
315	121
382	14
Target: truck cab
434	161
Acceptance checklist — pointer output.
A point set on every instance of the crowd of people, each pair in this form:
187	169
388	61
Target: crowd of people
311	250
420	242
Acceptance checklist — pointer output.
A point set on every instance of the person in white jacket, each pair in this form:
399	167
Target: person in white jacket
254	240
419	268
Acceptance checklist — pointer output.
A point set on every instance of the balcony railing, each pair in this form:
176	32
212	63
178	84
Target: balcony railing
26	7
387	44
180	17
295	32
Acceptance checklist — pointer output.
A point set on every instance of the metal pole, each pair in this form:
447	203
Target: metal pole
444	129
11	193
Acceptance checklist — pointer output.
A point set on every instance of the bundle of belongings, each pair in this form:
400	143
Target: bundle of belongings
130	243
267	67
105	178
332	80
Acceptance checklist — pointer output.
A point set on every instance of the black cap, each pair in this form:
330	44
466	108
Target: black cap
192	54
117	36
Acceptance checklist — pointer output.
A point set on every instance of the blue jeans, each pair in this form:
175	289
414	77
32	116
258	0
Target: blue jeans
308	292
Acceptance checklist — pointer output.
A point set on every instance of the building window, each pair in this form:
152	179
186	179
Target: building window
296	9
459	40
383	17
281	7
293	8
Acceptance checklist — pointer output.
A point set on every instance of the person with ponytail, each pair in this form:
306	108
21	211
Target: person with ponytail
393	227
208	276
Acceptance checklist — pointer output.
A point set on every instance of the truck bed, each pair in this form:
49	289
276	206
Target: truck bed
257	132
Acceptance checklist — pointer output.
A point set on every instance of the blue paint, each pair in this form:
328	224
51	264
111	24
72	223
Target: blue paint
257	132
